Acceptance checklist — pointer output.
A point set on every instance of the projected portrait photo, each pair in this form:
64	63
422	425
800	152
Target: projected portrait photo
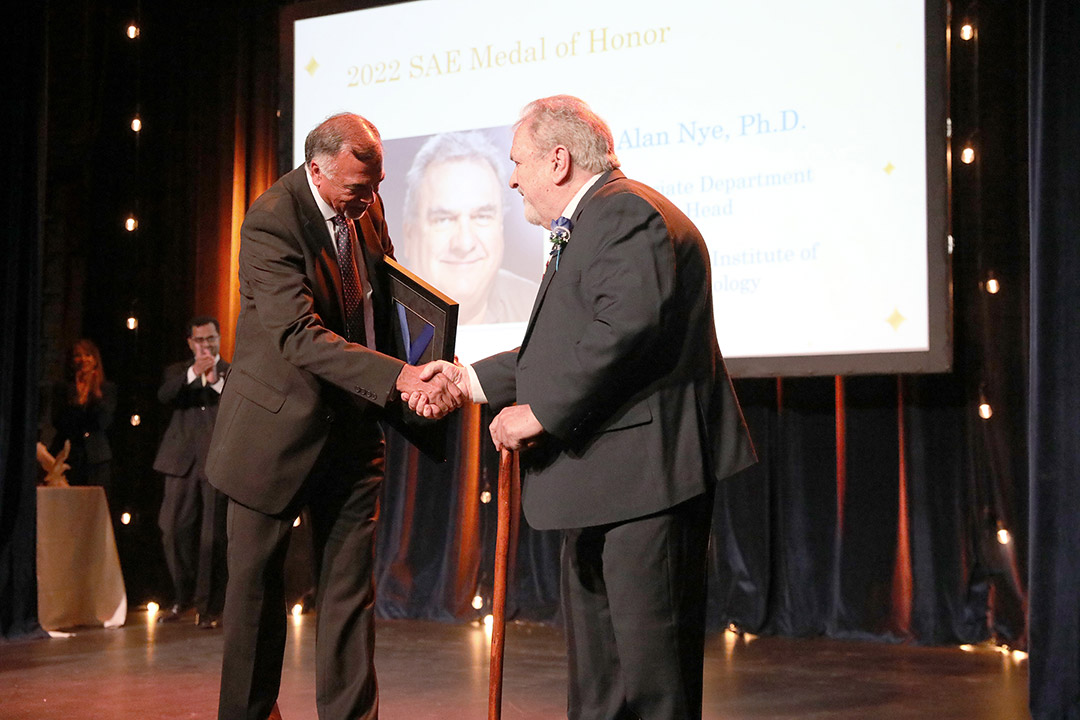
460	227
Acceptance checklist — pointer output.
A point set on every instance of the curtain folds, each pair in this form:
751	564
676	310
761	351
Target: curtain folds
1054	136
21	153
20	292
781	561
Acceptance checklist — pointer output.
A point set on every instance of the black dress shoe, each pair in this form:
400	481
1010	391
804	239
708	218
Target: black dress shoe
208	622
173	614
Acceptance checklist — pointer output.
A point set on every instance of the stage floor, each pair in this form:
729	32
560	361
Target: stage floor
437	671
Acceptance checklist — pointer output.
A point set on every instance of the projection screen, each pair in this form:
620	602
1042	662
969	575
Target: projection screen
807	141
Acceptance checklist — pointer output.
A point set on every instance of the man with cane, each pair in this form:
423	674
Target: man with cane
620	404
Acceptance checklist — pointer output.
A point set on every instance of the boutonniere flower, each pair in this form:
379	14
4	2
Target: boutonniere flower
560	235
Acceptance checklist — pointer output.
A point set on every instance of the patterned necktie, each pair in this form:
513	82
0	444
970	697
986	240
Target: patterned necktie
350	280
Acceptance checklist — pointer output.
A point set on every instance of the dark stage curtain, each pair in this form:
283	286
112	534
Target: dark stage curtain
873	527
20	305
1055	346
900	545
437	534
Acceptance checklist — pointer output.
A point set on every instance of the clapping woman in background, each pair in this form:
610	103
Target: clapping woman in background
82	411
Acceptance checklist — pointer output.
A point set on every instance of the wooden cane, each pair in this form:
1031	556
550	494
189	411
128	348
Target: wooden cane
502	553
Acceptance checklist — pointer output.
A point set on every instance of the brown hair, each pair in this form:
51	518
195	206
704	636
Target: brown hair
96	378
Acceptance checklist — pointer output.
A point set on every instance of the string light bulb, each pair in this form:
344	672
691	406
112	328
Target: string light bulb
133	323
131	224
296	522
967	31
125	519
152	607
485	497
477	602
136	124
967	155
985	411
136	420
1003	536
992	286
297	610
132	31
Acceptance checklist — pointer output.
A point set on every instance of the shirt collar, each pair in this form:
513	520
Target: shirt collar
568	211
328	212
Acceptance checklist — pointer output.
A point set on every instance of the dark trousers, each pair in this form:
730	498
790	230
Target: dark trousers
192	522
178	519
212	574
342	496
633	596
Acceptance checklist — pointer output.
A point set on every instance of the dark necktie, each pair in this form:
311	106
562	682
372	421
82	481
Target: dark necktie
350	281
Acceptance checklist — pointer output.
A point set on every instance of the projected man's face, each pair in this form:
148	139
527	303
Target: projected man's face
457	235
532	178
346	183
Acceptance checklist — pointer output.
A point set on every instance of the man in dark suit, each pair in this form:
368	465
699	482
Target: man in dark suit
298	423
625	417
192	515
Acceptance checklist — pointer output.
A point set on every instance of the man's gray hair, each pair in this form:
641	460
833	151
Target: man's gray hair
568	121
343	130
449	147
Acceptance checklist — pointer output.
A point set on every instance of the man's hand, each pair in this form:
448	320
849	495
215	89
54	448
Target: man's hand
515	427
430	394
453	374
204	366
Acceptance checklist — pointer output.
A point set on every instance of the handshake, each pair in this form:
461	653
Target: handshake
440	387
434	390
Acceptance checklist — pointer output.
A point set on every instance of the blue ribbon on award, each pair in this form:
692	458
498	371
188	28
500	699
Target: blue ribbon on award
414	349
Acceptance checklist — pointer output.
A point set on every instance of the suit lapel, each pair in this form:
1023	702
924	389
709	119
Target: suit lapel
329	289
549	273
326	258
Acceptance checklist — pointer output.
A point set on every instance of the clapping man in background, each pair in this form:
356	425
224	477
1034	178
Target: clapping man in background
192	515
